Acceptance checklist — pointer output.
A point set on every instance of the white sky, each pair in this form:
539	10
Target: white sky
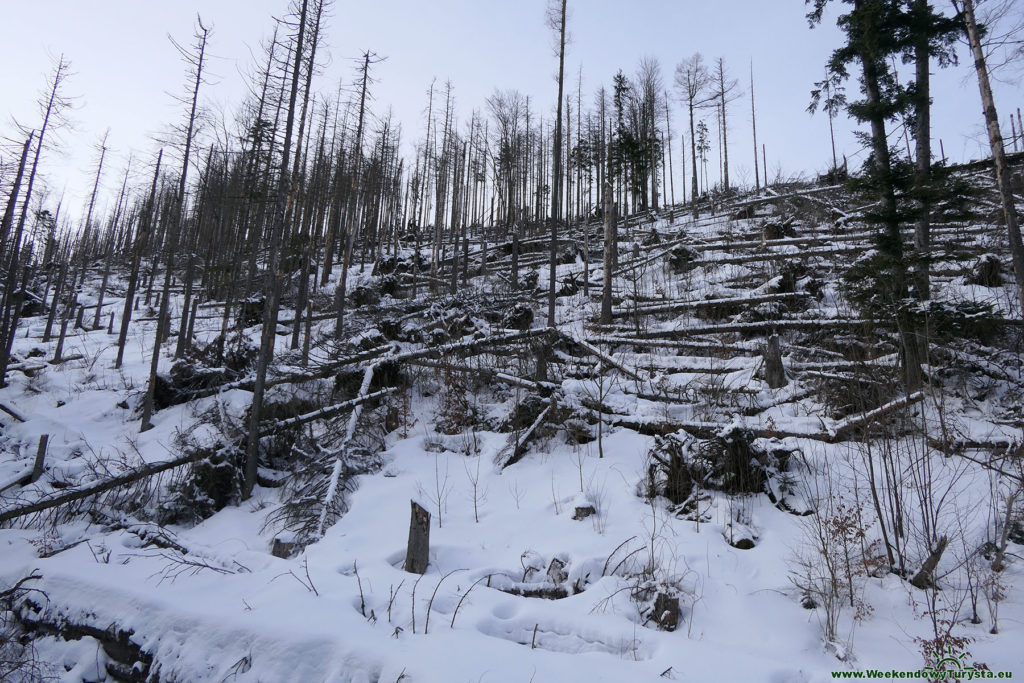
126	67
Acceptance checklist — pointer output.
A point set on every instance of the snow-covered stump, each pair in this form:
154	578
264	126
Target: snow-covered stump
418	549
666	612
284	546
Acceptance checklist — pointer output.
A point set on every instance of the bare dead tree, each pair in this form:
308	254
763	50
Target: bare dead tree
726	91
753	125
995	138
141	237
692	82
272	284
195	59
556	21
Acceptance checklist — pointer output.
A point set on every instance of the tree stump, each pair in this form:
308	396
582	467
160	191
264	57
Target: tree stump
777	228
37	467
666	612
284	548
775	373
418	550
584	511
986	272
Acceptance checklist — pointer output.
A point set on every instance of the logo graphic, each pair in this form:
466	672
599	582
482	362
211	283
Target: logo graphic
951	662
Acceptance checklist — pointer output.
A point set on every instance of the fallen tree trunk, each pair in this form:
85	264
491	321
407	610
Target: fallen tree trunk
765	326
324	413
748	348
470	346
339	460
323	371
10	411
542	388
862	419
130	477
127	661
630	372
518	444
708	303
707	430
780	197
780	255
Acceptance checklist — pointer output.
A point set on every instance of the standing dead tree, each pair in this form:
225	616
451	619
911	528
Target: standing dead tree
692	82
272	283
995	138
725	91
195	60
556	20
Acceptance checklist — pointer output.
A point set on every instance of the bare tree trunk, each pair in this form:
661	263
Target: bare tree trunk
272	285
764	163
96	183
609	248
7	222
693	156
133	278
925	577
995	138
11	326
668	138
723	93
775	372
556	182
110	249
349	233
753	124
57	290
682	162
69	311
177	218
184	340
922	122
54	100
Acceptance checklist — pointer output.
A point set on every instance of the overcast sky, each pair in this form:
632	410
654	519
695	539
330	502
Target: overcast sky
125	67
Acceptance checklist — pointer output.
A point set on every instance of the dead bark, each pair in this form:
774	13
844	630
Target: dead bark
417	555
